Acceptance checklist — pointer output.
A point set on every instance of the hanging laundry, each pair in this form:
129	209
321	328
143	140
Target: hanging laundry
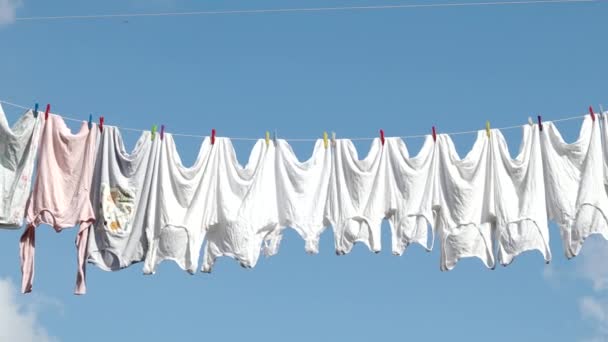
247	205
464	202
182	205
61	196
519	190
301	194
358	199
18	149
411	188
120	191
574	178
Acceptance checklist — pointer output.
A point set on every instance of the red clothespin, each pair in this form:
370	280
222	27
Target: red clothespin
591	113
162	132
434	134
46	112
540	123
213	136
101	123
382	136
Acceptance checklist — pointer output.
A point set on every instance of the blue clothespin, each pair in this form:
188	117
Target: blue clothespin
36	110
90	121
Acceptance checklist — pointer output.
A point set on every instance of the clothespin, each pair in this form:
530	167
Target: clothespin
36	110
213	136
162	132
154	128
488	128
434	134
101	123
90	123
325	142
46	112
601	110
591	113
267	138
540	123
333	138
274	137
382	136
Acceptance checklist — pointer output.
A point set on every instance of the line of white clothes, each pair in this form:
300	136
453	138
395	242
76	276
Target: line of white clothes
149	207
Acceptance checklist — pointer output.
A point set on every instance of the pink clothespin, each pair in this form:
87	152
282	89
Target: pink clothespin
101	123
591	113
162	132
213	136
540	123
46	112
382	136
434	134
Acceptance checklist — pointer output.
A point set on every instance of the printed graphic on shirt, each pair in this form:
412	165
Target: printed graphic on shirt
117	206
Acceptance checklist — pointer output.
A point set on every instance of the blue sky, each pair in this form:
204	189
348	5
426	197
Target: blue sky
301	74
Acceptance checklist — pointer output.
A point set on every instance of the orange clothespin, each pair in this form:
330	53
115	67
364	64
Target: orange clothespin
488	128
325	142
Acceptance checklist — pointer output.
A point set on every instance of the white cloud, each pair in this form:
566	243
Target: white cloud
8	10
18	321
594	268
593	264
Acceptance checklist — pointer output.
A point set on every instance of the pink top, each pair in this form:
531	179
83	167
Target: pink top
61	196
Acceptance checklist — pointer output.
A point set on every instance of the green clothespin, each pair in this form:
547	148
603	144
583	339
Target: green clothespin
154	128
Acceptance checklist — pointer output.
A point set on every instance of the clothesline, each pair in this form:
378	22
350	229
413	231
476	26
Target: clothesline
300	139
307	9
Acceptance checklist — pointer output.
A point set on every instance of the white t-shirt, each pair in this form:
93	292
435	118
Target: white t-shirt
465	202
247	212
18	149
358	199
411	188
301	194
519	187
121	186
574	178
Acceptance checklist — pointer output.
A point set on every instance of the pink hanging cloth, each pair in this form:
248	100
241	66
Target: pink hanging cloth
61	195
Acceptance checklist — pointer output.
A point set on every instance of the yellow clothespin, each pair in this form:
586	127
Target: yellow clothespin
154	128
267	138
488	128
325	142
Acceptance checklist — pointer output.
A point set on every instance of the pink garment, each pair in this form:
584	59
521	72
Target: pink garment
61	196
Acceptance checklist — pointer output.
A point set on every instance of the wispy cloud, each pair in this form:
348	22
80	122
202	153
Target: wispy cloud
8	11
593	267
19	321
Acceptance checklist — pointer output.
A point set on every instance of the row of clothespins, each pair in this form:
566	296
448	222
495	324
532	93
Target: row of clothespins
274	137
